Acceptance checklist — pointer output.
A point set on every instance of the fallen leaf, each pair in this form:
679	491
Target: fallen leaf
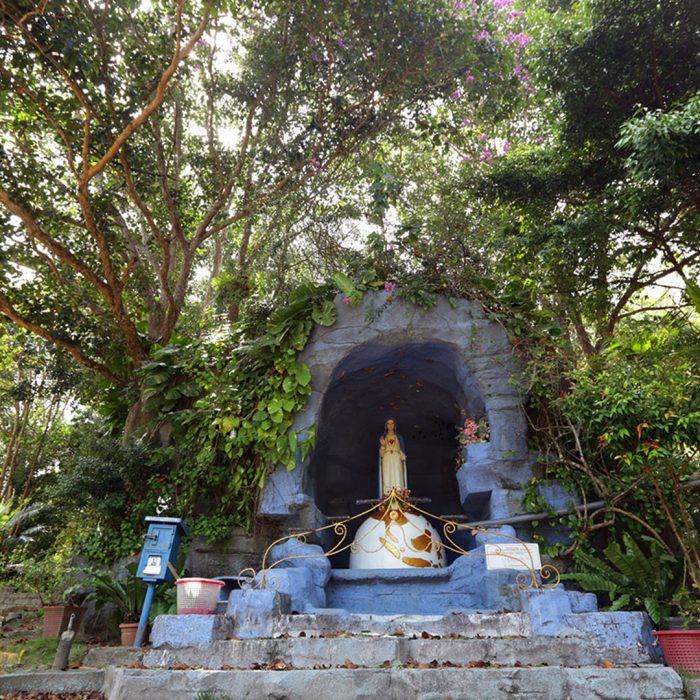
386	664
277	665
478	664
397	633
349	664
607	664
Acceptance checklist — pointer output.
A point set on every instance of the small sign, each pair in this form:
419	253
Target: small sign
513	556
153	566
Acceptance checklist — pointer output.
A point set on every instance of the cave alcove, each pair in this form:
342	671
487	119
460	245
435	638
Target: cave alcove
422	386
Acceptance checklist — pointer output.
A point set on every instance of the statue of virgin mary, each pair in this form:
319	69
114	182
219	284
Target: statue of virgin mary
392	460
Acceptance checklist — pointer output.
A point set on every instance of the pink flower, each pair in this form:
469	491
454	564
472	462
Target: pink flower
514	14
347	300
539	139
466	158
483	137
483	34
469	76
467	120
506	146
342	43
456	94
389	286
521	39
499	4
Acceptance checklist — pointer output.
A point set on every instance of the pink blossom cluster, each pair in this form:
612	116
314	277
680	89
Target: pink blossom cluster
459	6
499	4
521	39
389	287
473	431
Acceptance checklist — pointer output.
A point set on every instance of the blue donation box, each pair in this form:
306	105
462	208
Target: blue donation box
160	549
157	563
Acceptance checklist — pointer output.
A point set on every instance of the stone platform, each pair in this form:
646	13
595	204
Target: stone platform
467	656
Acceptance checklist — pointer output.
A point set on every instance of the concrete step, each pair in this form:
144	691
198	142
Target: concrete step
588	683
460	624
82	681
375	652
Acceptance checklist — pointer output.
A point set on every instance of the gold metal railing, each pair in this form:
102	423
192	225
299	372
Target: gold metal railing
390	509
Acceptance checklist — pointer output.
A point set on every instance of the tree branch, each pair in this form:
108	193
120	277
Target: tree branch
78	355
179	56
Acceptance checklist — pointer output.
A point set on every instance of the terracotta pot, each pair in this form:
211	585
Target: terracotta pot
128	630
56	618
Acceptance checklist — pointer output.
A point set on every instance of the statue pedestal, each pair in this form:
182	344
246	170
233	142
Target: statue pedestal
397	539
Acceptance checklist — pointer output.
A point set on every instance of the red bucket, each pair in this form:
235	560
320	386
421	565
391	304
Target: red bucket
681	648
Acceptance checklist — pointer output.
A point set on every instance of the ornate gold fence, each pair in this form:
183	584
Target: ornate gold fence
392	509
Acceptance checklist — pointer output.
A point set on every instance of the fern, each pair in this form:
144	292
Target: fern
633	579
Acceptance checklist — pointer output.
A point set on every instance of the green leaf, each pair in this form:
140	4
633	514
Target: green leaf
324	313
692	291
302	373
344	283
229	423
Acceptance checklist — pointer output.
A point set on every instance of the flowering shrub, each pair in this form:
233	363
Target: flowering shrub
474	431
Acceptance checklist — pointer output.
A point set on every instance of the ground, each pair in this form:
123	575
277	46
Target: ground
22	647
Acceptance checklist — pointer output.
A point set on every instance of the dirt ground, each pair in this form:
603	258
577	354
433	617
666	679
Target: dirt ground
23	647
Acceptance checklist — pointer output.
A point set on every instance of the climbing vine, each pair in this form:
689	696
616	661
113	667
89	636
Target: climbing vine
223	410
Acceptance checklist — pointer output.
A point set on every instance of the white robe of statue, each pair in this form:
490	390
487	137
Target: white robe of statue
392	460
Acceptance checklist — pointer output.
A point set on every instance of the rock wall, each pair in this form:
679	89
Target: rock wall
482	370
13	600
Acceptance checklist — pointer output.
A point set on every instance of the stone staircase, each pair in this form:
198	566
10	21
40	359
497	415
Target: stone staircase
463	655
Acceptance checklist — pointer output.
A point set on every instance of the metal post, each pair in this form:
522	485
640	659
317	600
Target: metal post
145	612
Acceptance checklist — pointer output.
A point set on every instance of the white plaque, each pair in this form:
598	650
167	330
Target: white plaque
513	556
153	566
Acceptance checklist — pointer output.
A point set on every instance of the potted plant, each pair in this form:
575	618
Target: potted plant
125	593
680	638
686	605
57	585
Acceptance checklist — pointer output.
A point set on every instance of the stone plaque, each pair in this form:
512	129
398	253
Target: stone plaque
513	556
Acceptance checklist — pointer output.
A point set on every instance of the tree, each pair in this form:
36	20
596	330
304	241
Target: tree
600	224
36	385
138	140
